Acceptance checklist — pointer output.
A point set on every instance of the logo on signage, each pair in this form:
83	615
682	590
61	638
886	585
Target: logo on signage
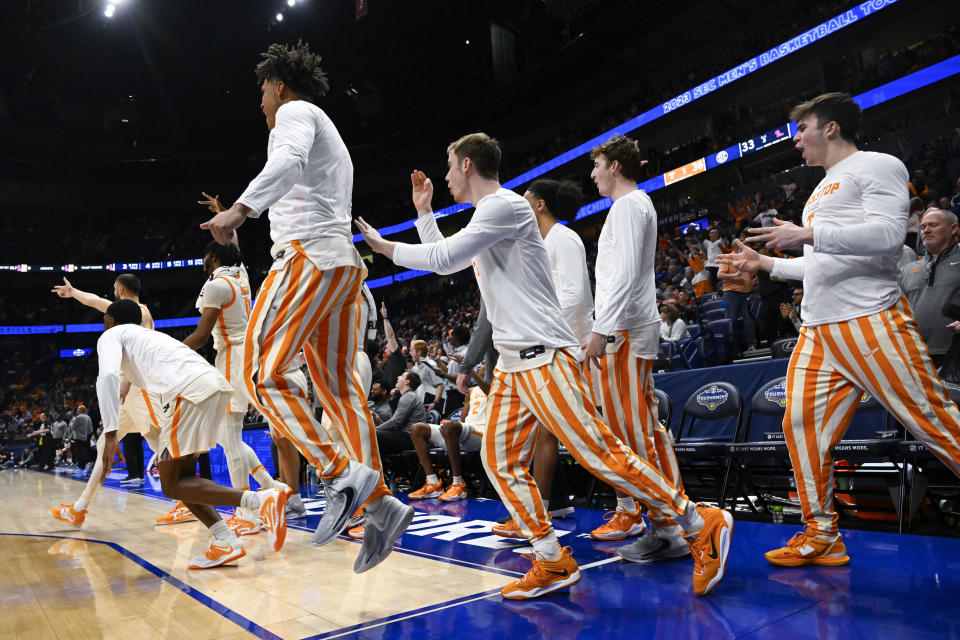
722	157
777	393
712	397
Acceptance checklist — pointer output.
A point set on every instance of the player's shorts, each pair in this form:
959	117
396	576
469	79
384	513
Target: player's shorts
229	363
139	413
193	418
470	438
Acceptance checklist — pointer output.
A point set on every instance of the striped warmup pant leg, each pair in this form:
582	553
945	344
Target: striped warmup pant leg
831	366
302	307
556	395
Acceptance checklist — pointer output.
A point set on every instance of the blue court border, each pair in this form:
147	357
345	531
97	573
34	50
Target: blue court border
228	613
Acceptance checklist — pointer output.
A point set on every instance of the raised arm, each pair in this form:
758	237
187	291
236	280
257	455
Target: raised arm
392	344
67	290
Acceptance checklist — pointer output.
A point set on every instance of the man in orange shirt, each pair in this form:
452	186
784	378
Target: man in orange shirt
736	292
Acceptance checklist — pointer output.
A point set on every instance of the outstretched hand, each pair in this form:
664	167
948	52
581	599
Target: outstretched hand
783	235
373	238
212	202
222	225
63	290
746	260
422	193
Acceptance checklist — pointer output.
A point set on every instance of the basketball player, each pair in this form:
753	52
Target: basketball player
626	334
858	332
309	300
139	411
224	305
538	377
195	397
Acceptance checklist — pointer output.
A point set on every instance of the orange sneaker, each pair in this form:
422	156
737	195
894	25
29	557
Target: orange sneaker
66	514
619	524
243	524
218	553
178	514
804	549
508	529
427	491
456	491
356	533
544	577
709	548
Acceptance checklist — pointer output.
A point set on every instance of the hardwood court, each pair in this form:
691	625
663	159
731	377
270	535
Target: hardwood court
57	585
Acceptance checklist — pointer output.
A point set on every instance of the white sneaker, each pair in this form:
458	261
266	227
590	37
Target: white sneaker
385	522
657	544
245	522
218	553
345	494
272	514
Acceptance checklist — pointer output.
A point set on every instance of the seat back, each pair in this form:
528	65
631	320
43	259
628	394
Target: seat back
710	305
713	411
783	347
693	330
715	314
664	407
767	407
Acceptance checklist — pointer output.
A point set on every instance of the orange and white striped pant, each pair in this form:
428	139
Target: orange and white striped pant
556	396
302	307
831	366
624	390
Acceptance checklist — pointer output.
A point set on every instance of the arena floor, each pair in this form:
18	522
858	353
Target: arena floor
119	576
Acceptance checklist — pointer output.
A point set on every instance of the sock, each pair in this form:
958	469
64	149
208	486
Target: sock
80	504
250	500
294	501
457	480
546	506
263	478
627	504
432	479
222	532
548	547
692	521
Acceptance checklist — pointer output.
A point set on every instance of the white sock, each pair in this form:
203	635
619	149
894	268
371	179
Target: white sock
222	532
80	504
250	500
548	547
627	504
294	501
263	478
432	479
457	480
692	521
546	506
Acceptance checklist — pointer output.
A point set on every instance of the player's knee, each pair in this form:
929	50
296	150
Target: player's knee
451	429
420	431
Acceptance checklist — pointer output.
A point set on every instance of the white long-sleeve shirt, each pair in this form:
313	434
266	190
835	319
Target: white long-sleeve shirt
626	286
307	184
504	244
568	267
150	360
859	217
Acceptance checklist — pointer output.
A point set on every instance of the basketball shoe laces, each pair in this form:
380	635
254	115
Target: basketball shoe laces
537	574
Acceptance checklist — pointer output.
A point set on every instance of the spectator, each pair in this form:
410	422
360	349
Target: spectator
44	443
672	328
57	432
80	430
913	223
737	288
790	314
955	200
712	247
773	293
430	380
393	435
934	281
766	215
379	403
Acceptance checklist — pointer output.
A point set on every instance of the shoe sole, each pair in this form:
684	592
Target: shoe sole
805	562
723	550
655	557
221	562
75	526
390	536
562	512
542	591
618	536
163	524
456	499
513	535
428	496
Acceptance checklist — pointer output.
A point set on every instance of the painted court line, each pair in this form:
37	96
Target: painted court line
213	605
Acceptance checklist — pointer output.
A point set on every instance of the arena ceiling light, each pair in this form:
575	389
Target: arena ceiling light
111	8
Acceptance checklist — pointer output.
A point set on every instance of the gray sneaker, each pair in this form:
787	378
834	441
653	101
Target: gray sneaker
656	545
385	522
345	494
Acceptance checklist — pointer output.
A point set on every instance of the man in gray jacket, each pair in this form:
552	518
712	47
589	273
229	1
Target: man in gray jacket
393	436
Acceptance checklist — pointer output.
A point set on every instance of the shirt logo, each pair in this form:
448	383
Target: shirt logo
871	352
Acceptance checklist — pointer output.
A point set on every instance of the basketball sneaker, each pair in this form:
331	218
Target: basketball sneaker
344	494
544	577
178	514
66	514
456	491
710	547
619	524
356	533
272	514
427	491
805	548
656	544
508	529
386	520
244	523
219	552
356	519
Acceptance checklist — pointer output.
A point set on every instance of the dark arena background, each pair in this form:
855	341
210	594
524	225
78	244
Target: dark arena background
116	116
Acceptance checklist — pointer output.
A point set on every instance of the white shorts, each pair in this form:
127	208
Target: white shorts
470	438
139	413
193	419
230	364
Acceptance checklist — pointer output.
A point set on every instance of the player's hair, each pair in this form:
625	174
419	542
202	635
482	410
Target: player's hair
483	151
832	107
414	379
228	255
462	334
129	282
296	67
562	197
420	346
125	312
624	150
